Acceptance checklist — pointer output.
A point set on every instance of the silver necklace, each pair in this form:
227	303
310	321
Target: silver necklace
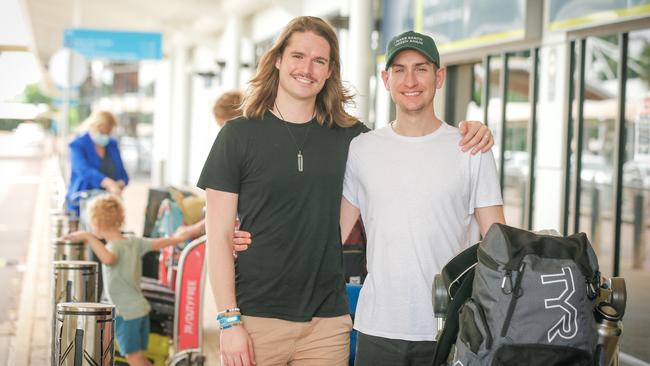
293	138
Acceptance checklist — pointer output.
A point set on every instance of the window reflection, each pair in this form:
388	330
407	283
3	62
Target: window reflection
634	257
516	157
598	145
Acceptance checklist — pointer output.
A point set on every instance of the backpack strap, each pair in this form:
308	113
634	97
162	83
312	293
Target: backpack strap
448	335
453	273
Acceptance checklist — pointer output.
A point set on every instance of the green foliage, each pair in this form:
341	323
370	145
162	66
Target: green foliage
644	61
32	94
74	117
9	124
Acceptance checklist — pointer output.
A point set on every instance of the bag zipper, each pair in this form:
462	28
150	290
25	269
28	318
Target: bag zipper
487	260
517	292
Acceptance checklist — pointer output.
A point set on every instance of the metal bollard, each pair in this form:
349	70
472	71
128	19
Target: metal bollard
522	206
84	334
60	225
595	219
74	281
66	250
638	256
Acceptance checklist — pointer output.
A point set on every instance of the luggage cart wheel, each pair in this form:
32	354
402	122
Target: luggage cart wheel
440	297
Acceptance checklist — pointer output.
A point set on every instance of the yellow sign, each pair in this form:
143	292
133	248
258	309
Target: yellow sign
600	17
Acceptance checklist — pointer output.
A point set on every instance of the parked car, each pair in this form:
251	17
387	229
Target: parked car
636	174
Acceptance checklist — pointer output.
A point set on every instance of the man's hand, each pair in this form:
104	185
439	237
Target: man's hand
236	347
476	136
241	240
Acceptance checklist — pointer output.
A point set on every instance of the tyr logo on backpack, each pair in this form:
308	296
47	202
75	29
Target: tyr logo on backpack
567	326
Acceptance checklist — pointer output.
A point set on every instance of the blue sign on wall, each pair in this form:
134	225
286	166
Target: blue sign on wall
114	45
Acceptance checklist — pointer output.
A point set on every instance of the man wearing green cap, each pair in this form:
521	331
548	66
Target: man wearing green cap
422	201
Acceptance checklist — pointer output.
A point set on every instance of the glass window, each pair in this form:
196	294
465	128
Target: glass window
516	157
494	104
598	145
634	253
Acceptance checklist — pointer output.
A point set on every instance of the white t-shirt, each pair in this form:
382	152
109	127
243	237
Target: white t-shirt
417	197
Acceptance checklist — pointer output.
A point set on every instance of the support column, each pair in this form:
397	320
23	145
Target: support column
551	109
161	124
231	50
178	147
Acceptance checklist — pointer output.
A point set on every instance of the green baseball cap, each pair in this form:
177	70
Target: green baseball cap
412	40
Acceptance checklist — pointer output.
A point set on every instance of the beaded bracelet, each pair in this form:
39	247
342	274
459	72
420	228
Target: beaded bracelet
232	310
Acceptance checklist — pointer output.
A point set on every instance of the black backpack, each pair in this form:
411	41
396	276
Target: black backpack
531	302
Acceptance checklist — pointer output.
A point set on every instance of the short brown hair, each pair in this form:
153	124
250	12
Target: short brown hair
106	211
226	107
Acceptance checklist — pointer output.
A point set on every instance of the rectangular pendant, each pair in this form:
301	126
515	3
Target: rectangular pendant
300	162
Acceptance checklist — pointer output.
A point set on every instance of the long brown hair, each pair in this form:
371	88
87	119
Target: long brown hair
330	101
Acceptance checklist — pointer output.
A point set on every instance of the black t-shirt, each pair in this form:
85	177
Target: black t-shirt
293	269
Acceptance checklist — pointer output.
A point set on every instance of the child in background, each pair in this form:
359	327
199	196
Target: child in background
122	259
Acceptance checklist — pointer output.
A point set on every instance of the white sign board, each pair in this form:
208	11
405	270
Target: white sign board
68	68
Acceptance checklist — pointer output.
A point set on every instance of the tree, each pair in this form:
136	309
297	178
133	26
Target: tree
644	61
32	94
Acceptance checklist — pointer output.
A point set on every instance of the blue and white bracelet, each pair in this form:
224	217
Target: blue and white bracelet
229	318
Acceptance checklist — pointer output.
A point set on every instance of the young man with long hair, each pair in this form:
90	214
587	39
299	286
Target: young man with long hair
280	169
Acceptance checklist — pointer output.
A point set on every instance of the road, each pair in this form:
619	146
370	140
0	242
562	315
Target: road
21	170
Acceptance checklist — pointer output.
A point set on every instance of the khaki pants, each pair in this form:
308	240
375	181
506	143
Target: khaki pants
319	342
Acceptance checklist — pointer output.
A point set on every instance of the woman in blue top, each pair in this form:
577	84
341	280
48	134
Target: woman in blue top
95	160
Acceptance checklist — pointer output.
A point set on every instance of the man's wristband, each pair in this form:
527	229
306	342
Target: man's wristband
226	322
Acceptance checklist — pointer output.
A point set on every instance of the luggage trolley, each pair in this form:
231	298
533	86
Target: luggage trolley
190	285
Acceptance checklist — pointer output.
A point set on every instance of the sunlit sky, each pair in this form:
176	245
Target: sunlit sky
17	69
